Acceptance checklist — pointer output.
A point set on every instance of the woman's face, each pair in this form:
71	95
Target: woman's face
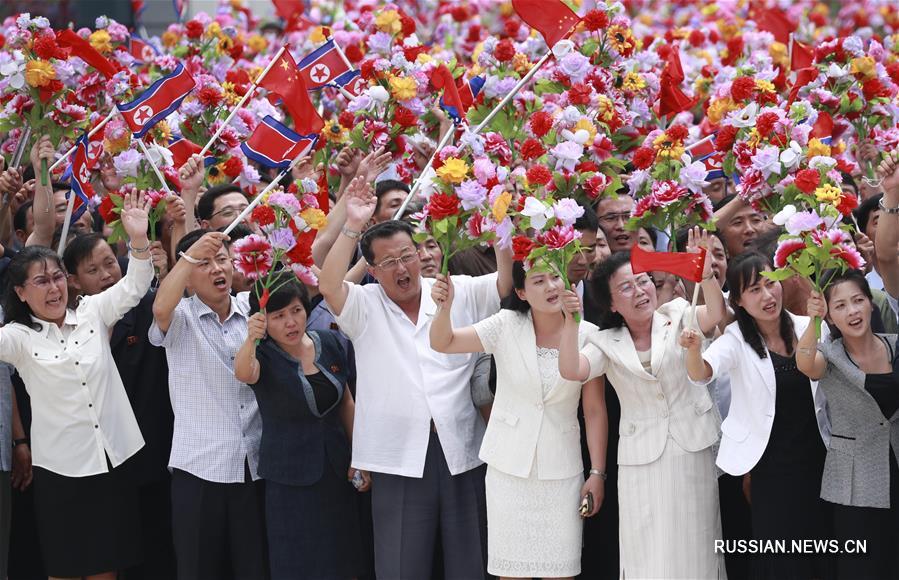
543	291
287	325
45	291
849	309
763	299
633	296
644	240
602	247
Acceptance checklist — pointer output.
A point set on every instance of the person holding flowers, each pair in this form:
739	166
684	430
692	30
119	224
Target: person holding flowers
777	418
83	430
667	487
886	241
535	480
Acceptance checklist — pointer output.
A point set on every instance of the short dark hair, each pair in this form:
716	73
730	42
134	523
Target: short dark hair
380	231
766	242
20	219
239	232
382	187
15	310
587	222
191	238
206	205
79	249
288	288
724	201
680	238
602	287
863	212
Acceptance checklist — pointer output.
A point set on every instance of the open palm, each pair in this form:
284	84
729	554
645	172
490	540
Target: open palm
135	214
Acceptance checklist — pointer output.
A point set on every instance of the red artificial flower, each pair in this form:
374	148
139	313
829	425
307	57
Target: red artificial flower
892	70
697	38
107	207
504	50
354	53
233	167
764	123
724	141
236	50
46	92
367	69
347	120
2	41
511	27
240	79
585	167
596	20
807	181
407	23
521	248
734	51
742	88
677	133
579	94
596	185
443	205
531	149
252	256
459	13
848	202
404	117
209	96
539	175
850	255
301	253
785	249
644	157
541	123
193	29
45	46
558	237
873	89
474	33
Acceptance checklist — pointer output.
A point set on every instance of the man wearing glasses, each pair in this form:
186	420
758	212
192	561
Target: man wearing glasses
613	216
219	206
416	428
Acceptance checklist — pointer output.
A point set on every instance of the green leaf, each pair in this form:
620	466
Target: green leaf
778	275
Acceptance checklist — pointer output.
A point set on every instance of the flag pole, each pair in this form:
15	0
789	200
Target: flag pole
158	173
90	134
20	147
693	304
243	100
67	221
274	183
513	92
417	185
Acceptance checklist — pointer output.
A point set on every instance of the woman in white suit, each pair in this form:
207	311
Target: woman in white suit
777	426
535	474
667	486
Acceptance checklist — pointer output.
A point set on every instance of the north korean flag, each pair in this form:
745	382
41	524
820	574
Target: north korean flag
180	7
274	145
710	157
323	66
157	102
182	149
469	91
352	82
81	177
141	50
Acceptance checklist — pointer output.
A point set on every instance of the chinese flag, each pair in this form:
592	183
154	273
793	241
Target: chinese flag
775	21
801	57
823	127
551	18
83	50
687	265
284	80
803	77
672	99
288	9
442	78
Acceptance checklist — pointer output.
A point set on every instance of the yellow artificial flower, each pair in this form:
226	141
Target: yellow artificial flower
225	44
162	132
318	35
403	88
101	41
727	29
667	149
257	43
214	29
39	73
506	9
605	109
816	148
334	132
423	58
863	68
587	126
231	96
501	206
521	64
314	218
719	108
621	38
709	9
216	174
453	170
170	39
115	146
754	138
765	86
388	21
779	53
828	193
633	82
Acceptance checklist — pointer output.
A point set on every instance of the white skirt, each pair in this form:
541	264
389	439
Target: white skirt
533	526
669	517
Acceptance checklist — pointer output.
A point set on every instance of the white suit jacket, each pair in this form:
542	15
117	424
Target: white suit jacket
654	406
525	424
746	430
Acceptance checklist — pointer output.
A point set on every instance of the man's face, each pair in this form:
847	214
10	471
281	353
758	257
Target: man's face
99	271
741	230
716	189
397	267
211	280
582	262
29	226
431	257
613	215
388	204
84	222
225	209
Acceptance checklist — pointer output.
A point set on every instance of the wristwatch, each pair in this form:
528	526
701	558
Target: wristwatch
602	474
350	233
890	210
22	441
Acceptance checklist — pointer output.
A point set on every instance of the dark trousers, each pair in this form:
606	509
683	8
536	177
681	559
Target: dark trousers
408	512
218	529
156	532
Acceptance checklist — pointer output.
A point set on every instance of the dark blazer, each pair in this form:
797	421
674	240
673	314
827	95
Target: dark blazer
297	440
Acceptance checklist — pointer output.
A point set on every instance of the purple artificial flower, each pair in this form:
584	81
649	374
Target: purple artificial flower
282	239
766	160
804	221
575	65
567	211
472	194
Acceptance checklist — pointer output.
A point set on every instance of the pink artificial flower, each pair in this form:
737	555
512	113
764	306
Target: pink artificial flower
253	256
558	237
850	255
785	249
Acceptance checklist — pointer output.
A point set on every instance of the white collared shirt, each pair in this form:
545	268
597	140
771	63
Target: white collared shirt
80	410
402	383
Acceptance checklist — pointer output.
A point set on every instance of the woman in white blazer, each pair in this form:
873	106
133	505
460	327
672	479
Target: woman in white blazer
532	447
667	485
777	426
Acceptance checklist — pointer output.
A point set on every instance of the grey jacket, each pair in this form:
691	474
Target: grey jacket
856	471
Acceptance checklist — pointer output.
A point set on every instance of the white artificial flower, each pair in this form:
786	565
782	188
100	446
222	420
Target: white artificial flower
745	117
539	212
791	156
562	48
783	215
378	94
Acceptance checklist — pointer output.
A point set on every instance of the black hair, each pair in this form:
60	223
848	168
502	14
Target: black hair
742	272
724	201
863	212
848	180
60	186
382	187
191	238
766	242
682	234
14	309
380	231
20	219
831	278
79	249
239	232
652	233
603	290
206	205
287	287
587	222
513	301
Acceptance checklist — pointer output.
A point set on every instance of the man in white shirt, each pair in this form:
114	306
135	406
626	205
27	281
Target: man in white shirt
416	428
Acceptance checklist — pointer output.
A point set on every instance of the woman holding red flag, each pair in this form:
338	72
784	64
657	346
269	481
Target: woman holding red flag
667	486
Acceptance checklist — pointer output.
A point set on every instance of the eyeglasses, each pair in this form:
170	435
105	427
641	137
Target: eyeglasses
393	263
629	288
610	219
229	211
44	282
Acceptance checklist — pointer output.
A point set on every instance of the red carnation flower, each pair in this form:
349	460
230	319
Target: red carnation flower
873	89
404	117
892	70
531	149
347	120
367	69
233	167
443	205
677	133
45	46
724	141
252	256
539	175
764	124
193	29
848	202
596	20
521	248
541	123
263	215
354	53
644	157
742	88
209	96
511	27
504	51
107	208
579	94
807	181
585	167
697	38
407	23
459	13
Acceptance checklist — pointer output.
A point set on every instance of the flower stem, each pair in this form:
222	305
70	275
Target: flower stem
45	173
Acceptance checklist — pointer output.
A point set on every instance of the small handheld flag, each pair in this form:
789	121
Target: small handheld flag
323	66
157	102
274	145
687	265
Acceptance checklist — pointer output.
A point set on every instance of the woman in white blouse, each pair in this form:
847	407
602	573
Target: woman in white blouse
535	475
83	428
667	486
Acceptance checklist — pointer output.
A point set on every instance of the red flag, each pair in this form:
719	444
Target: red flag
802	56
672	99
324	200
775	21
83	50
288	9
551	18
803	77
285	80
687	265
442	78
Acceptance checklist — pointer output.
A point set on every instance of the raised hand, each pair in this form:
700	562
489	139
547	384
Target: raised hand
360	203
304	168
175	209
697	238
110	179
256	326
348	162
207	247
159	258
865	245
442	292
816	305
889	172
10	182
135	215
374	164
690	339
42	149
571	304
192	173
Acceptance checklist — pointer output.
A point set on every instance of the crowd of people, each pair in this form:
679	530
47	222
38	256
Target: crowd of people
416	360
